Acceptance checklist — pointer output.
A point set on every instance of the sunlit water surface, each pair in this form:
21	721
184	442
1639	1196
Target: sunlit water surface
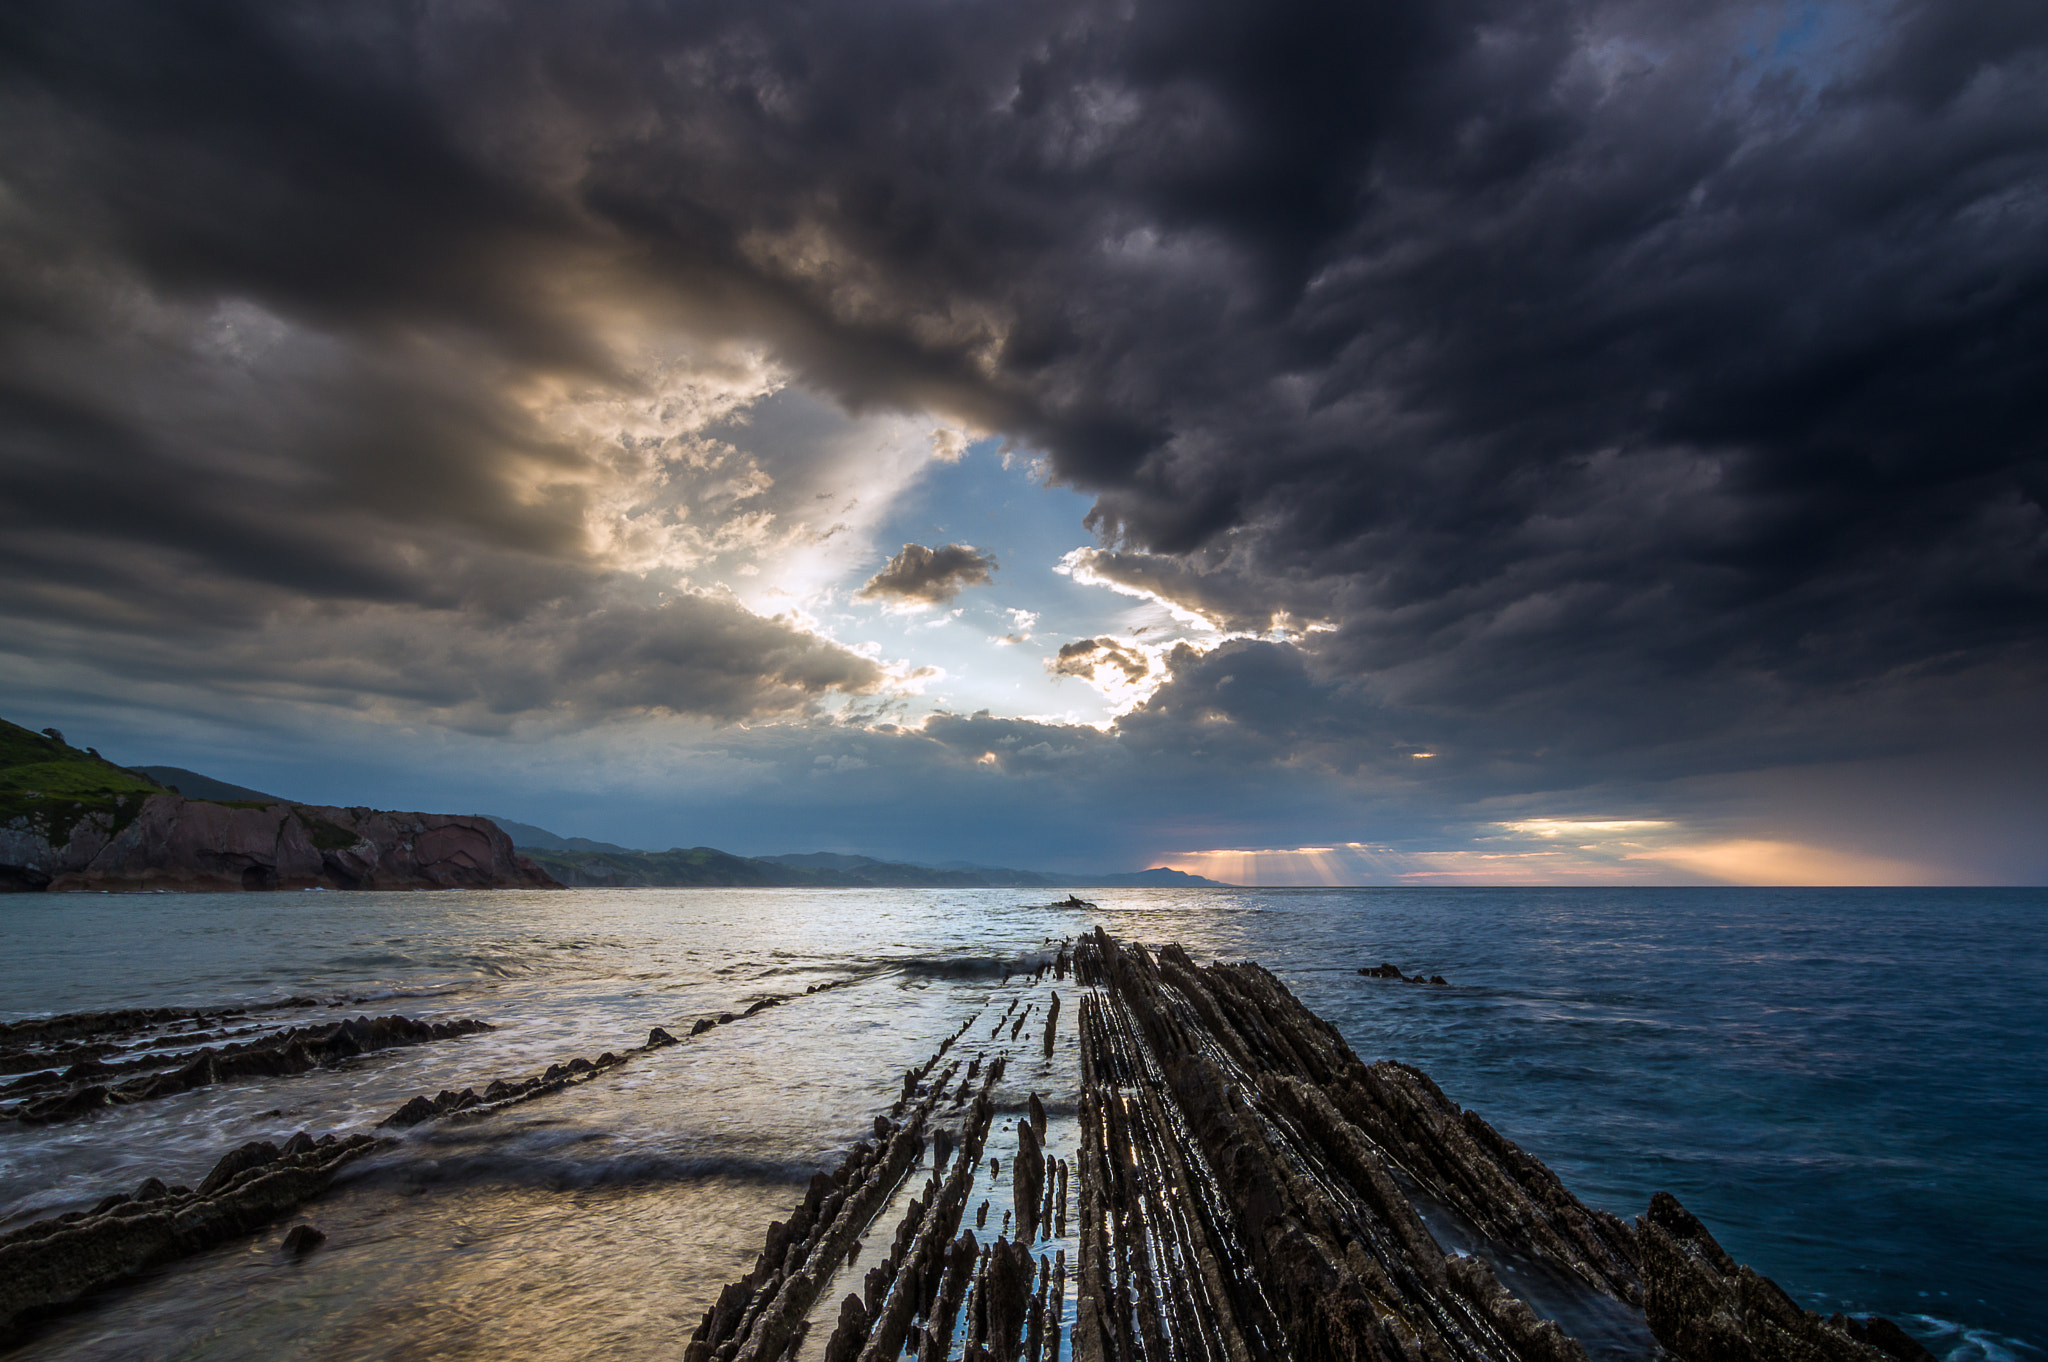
1847	1086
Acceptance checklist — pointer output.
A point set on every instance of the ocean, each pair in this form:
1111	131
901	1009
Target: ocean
1847	1086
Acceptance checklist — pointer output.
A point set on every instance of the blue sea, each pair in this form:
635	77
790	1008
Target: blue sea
1850	1087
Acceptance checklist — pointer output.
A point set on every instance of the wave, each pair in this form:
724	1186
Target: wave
1955	1342
964	966
381	995
565	1170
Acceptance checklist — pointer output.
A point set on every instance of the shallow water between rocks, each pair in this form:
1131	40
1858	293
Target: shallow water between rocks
1847	1086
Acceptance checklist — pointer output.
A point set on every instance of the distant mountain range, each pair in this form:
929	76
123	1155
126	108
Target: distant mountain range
583	862
192	785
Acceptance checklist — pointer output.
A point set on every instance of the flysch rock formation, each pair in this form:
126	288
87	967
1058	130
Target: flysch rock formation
65	1258
90	1083
53	1261
190	844
1248	1191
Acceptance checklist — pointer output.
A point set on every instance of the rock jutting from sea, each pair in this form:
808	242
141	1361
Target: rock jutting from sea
1249	1191
1179	1163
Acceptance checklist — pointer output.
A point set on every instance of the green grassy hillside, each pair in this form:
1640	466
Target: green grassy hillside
47	785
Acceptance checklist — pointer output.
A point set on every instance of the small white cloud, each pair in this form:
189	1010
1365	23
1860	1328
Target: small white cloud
949	445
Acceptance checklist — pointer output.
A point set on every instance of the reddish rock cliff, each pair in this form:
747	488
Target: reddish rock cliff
189	844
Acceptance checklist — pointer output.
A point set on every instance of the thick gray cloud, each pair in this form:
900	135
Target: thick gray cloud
1619	387
928	576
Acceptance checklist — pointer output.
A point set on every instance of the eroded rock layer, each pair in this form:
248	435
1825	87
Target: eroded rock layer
1252	1190
54	1261
1249	1191
91	1085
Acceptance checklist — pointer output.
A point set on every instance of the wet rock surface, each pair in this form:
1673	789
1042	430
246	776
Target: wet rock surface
301	1240
67	1257
1250	1191
51	1263
1706	1307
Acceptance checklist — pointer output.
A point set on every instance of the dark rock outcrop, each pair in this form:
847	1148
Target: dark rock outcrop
85	1037
1706	1307
295	1051
1386	971
301	1240
52	1262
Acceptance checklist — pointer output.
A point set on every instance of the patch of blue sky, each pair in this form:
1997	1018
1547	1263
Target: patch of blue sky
1818	42
994	641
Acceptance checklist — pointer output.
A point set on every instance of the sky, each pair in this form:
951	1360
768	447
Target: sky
1401	441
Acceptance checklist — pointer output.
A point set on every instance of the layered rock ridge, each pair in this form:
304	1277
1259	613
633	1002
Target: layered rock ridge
1249	1191
125	1064
1252	1190
59	1262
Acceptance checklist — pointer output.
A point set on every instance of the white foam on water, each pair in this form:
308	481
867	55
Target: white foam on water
1953	1342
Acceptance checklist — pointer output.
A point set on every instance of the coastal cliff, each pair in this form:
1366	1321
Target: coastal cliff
189	844
73	820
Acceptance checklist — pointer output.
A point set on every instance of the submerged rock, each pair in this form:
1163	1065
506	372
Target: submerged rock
296	1051
301	1240
1385	971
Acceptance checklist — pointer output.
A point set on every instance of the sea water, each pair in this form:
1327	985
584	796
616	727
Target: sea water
1847	1086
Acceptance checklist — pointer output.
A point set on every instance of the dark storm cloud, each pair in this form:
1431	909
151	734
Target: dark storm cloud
929	576
581	649
1603	371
